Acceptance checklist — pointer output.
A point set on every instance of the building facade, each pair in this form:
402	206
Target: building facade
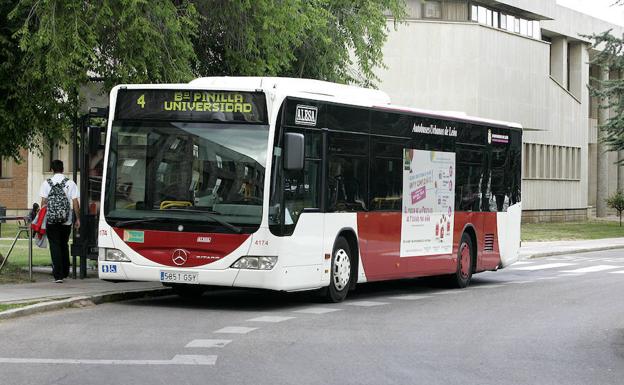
524	61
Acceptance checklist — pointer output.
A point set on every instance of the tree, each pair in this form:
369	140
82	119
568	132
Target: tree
616	201
49	48
610	56
334	40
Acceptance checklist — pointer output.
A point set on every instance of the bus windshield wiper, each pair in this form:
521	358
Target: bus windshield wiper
214	218
142	220
220	221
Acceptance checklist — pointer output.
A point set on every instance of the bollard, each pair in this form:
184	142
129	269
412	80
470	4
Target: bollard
2	215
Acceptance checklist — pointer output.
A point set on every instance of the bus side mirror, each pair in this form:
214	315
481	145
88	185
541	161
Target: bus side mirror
293	151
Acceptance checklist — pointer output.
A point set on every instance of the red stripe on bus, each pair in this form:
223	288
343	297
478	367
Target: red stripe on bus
202	248
379	235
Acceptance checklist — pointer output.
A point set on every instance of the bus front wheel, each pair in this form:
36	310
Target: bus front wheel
340	277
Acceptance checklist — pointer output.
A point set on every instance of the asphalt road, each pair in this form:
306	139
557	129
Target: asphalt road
557	320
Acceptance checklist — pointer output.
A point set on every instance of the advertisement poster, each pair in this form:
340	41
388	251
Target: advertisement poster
428	202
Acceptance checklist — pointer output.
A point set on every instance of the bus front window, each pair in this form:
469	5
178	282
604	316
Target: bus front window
181	170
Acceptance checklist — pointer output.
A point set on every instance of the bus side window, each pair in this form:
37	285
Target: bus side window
386	175
469	180
347	172
302	188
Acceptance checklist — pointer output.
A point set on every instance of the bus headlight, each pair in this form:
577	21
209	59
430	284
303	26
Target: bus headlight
255	263
114	255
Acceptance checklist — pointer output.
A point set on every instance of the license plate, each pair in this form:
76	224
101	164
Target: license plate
178	277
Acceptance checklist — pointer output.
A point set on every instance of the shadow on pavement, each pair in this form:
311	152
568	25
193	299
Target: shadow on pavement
244	300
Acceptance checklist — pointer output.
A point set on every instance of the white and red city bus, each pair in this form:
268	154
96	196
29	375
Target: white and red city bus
295	184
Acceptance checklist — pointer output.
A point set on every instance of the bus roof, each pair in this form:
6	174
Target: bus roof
334	92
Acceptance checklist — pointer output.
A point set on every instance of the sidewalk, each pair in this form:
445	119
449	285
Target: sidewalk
545	249
49	291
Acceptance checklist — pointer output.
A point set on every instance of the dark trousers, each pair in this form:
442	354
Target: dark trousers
58	237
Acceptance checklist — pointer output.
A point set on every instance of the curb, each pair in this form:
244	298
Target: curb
82	301
574	251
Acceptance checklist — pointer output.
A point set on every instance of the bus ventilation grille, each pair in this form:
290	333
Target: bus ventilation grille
489	242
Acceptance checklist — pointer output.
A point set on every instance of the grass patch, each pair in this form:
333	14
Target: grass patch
19	255
571	231
9	306
9	229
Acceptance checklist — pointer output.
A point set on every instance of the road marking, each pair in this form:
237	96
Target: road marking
541	267
180	359
366	303
569	275
270	318
531	281
410	297
523	262
592	269
543	278
235	330
617	272
207	343
316	310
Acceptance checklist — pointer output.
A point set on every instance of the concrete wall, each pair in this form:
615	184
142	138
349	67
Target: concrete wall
494	74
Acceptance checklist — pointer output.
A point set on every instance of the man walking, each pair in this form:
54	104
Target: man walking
60	195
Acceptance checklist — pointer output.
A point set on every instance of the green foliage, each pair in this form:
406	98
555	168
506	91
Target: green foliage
616	201
335	40
49	48
610	57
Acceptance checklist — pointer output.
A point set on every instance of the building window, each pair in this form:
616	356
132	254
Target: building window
50	152
482	11
503	21
432	10
551	162
6	168
493	18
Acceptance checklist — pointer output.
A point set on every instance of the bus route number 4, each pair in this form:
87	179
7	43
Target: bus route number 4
141	101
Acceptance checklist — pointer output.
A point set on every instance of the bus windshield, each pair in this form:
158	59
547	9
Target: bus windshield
201	176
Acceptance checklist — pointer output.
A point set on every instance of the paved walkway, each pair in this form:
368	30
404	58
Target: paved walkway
46	291
543	249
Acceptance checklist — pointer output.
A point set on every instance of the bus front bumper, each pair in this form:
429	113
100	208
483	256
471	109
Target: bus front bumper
292	278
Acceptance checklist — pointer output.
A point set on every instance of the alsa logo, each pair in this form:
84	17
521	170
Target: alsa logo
306	115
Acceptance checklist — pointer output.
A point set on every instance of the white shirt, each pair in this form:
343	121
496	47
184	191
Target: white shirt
71	190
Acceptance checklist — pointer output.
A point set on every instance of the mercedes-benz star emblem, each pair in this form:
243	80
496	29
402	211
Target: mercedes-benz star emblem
179	256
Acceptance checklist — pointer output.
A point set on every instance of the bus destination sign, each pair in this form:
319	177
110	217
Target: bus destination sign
191	105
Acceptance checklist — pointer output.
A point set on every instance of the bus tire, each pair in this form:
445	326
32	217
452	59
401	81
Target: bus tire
465	259
341	275
188	291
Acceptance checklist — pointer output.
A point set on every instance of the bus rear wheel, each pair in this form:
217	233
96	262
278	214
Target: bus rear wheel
188	291
341	272
465	258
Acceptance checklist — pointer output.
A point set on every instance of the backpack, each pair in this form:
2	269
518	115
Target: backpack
58	204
